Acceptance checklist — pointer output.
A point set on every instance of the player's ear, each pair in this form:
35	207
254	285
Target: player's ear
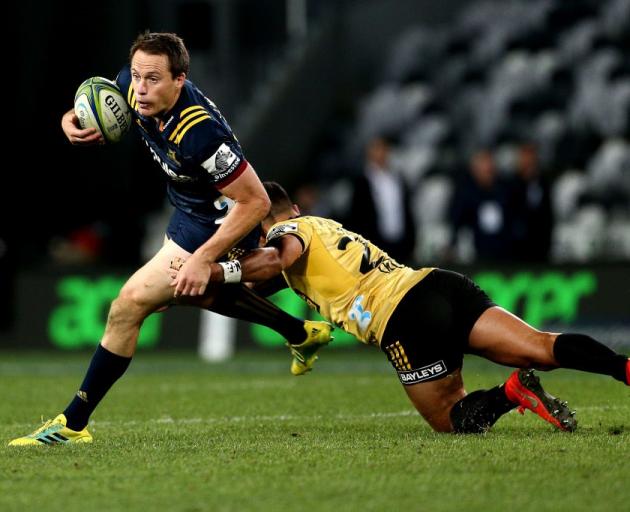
296	209
180	79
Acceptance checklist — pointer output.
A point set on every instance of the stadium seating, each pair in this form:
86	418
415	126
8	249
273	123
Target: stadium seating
551	72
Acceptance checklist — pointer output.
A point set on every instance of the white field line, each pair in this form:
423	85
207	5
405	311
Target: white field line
167	420
240	419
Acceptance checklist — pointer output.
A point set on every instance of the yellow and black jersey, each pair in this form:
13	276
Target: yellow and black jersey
346	278
195	148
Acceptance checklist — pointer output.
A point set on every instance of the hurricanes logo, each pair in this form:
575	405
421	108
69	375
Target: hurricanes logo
82	395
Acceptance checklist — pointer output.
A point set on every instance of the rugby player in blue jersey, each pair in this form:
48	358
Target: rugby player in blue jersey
424	320
219	203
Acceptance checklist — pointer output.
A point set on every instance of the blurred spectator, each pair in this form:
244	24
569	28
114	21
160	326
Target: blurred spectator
531	219
380	204
81	246
480	204
307	198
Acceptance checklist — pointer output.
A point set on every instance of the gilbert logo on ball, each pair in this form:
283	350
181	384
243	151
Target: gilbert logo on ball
98	103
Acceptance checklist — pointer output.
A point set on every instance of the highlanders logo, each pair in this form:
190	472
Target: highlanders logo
172	156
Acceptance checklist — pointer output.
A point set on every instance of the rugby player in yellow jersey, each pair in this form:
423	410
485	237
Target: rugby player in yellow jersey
424	320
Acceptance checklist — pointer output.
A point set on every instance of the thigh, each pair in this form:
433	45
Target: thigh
434	400
506	339
427	334
422	346
150	285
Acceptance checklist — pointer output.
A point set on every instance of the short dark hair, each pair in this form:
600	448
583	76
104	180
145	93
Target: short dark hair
163	43
280	200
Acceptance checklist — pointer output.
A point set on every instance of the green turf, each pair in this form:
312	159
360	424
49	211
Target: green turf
177	434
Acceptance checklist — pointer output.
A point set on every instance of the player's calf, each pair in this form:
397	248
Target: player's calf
435	398
581	352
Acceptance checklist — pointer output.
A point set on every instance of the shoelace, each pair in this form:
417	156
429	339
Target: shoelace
46	425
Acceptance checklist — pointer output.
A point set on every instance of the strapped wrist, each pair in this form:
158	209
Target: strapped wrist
231	271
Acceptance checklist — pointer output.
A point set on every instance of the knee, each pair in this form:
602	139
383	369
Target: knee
129	306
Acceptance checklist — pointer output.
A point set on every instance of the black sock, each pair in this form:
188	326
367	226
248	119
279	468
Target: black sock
105	369
478	411
238	301
581	352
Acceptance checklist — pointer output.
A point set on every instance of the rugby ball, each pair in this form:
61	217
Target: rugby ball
98	103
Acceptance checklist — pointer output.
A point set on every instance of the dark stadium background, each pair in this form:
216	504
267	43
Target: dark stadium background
241	50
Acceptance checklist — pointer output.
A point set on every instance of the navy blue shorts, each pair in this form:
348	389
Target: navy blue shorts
191	233
427	335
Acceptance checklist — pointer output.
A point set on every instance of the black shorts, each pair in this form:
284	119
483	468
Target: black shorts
427	335
191	233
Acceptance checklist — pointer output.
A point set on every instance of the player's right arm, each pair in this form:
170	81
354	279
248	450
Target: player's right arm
75	134
289	249
265	263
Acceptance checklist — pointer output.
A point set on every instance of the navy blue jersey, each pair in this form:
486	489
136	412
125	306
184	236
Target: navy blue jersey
194	146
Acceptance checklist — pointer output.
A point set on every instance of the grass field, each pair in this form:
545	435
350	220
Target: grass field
178	434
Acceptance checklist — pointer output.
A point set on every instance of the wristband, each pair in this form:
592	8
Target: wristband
231	271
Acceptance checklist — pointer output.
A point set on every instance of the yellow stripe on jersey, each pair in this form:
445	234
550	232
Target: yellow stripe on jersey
349	280
187	115
183	113
131	98
189	126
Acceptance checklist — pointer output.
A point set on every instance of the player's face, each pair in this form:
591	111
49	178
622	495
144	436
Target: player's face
155	88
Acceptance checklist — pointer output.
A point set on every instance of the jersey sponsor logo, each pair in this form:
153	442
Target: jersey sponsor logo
282	229
421	374
222	163
359	314
165	167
